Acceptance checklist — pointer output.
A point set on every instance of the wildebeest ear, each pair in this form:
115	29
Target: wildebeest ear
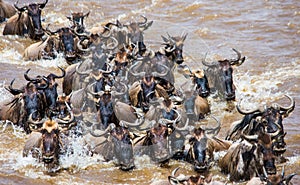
87	14
70	18
165	39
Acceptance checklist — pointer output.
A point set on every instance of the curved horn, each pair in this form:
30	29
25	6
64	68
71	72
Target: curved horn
239	60
70	120
80	72
45	86
274	134
289	108
246	112
206	63
174	171
19	9
42	5
31	121
162	74
112	45
215	130
28	78
133	68
79	46
248	137
100	93
62	75
102	133
184	127
138	122
12	90
143	24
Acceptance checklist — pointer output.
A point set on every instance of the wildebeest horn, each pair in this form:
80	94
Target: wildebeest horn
215	130
31	121
206	63
79	46
171	39
113	44
102	133
179	179
42	5
20	9
62	75
237	61
72	118
274	134
12	90
248	137
42	87
183	37
182	128
144	25
138	122
245	112
289	108
28	78
87	72
125	89
133	68
162	74
100	93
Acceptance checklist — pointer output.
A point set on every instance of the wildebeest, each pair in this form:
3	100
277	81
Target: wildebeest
129	34
245	159
6	10
77	19
278	179
191	179
47	48
155	143
220	77
27	21
270	119
51	91
117	146
27	101
201	147
45	145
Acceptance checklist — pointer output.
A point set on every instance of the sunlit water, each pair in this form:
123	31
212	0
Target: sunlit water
266	32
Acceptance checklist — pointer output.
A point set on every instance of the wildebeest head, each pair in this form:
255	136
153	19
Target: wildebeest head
77	19
123	148
135	33
223	79
157	142
67	42
50	142
34	26
201	82
270	120
174	47
33	100
264	148
198	146
51	91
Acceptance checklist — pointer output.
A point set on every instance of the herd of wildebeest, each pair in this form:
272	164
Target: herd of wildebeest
126	100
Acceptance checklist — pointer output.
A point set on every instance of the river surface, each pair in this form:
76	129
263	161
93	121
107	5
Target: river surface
266	32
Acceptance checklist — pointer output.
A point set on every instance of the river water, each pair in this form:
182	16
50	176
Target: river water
266	32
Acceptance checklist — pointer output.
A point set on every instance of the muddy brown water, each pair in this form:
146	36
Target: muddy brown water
266	32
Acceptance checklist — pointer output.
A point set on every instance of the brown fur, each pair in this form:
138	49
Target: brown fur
6	10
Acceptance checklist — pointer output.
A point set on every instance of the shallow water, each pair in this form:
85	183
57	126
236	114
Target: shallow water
266	32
